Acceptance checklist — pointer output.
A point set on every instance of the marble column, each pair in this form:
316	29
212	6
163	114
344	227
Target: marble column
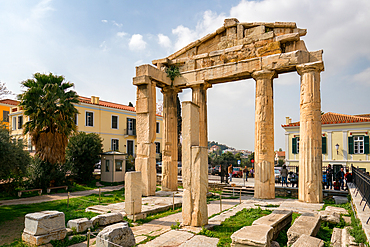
310	152
146	134
264	185
170	152
199	97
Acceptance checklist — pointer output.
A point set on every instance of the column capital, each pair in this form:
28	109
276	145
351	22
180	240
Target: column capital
264	74
310	67
171	89
204	85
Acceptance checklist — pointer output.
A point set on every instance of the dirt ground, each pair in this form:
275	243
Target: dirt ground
11	230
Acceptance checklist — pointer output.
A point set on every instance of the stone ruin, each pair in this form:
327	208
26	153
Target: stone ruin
235	51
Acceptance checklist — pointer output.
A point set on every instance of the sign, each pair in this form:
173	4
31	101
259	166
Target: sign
252	161
238	162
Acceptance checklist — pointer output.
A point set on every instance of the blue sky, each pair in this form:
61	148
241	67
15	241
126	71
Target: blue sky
97	44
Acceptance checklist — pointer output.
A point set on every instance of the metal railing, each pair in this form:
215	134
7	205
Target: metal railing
362	183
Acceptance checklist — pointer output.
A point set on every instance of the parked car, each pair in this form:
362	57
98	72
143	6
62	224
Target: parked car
216	170
277	175
237	172
210	168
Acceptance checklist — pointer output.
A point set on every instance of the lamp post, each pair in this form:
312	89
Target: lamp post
337	147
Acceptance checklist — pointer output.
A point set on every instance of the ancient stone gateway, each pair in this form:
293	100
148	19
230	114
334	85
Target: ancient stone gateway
235	51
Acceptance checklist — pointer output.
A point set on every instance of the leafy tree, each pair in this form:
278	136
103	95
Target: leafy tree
48	101
280	162
13	159
83	152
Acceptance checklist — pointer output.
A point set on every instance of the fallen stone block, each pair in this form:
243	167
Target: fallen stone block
257	235
45	238
307	223
347	239
278	220
336	209
119	233
106	219
200	241
80	225
308	241
336	238
330	216
275	244
43	222
340	199
347	219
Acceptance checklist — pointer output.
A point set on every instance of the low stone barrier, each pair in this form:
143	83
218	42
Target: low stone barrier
307	223
308	241
278	220
119	233
80	225
256	235
106	219
42	227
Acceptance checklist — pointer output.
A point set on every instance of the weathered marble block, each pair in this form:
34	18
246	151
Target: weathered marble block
308	241
119	233
43	222
278	220
81	224
307	223
106	219
133	193
45	238
256	236
330	216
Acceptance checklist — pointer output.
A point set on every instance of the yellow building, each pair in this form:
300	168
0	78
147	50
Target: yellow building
345	140
5	107
115	123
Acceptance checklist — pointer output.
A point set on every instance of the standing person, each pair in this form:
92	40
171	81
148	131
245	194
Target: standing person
329	177
284	176
230	171
340	177
245	173
252	172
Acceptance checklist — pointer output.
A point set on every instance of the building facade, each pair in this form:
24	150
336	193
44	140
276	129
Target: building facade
115	123
345	140
5	108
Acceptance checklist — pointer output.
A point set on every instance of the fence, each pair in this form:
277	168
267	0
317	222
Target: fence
362	183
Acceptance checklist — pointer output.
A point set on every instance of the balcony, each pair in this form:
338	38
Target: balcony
127	132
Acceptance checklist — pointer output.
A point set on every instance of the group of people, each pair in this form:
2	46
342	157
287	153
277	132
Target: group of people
341	179
293	177
245	172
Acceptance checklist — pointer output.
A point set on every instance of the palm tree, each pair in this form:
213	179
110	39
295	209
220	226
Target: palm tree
48	102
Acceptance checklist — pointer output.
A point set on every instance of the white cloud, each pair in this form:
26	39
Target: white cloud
117	24
104	21
363	77
164	41
41	9
121	34
137	43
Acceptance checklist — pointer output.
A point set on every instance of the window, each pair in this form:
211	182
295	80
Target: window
14	123
295	145
158	147
119	165
131	126
157	128
130	147
114	122
6	116
323	145
358	144
20	122
75	119
107	165
89	119
115	146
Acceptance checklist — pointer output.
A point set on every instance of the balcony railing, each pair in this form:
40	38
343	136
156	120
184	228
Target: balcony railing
128	132
362	183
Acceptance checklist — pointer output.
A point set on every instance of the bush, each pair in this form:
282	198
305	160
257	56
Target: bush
83	152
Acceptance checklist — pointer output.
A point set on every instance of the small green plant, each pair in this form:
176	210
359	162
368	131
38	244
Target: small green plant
109	212
177	226
172	72
74	230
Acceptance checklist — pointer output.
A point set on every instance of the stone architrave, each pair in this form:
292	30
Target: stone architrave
145	131
264	185
194	167
133	186
310	152
170	151
199	97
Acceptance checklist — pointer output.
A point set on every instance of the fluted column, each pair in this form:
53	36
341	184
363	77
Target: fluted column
310	152
264	185
199	97
145	131
170	150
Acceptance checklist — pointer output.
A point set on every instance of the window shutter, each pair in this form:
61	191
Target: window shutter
134	126
350	145
366	142
111	145
117	147
126	126
324	145
294	145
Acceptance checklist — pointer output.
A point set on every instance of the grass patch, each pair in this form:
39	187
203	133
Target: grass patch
268	205
154	216
282	239
110	184
243	218
16	243
67	242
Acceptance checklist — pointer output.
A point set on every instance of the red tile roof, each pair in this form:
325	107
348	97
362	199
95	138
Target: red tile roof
9	102
107	104
336	118
280	153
